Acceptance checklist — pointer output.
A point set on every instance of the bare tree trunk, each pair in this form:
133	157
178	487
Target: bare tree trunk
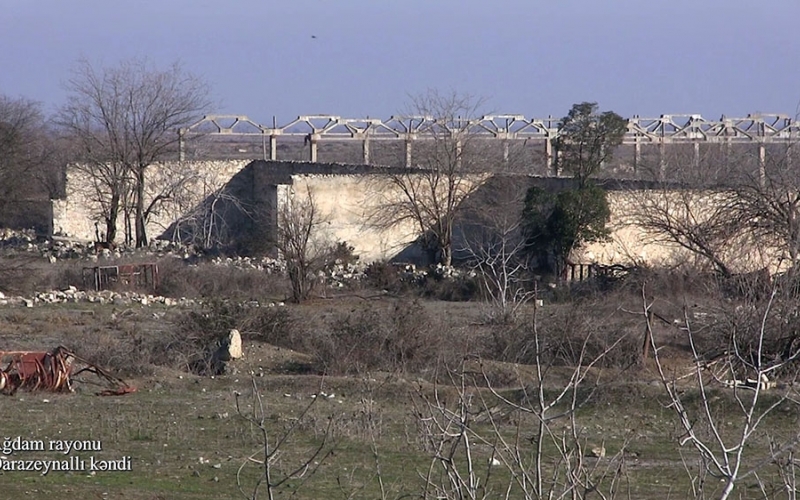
447	254
111	219
141	232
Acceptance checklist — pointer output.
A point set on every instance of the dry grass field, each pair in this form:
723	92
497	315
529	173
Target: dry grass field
351	388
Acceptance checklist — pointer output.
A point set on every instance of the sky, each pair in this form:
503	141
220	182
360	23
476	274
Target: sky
357	58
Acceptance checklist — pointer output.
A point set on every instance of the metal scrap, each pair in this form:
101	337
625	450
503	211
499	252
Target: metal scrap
144	276
52	371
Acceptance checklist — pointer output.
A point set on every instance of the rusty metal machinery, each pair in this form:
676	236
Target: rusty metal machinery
52	371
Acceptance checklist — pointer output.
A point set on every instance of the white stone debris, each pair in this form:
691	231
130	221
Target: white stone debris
234	343
339	274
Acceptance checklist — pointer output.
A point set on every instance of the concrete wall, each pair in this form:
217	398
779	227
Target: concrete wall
347	196
346	203
630	244
75	216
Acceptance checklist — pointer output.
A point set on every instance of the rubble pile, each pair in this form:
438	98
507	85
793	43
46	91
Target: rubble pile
266	264
57	249
72	295
411	274
339	274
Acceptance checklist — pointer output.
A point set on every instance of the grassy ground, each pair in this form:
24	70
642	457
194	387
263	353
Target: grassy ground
186	440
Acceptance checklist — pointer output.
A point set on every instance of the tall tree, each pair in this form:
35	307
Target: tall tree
587	139
302	242
125	119
555	224
26	152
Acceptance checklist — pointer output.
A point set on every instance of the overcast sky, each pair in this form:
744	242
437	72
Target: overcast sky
365	57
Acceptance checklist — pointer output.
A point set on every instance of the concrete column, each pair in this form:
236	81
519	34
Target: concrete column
505	151
662	160
459	149
696	156
273	147
312	148
637	155
548	155
408	153
602	157
762	163
181	146
365	149
727	152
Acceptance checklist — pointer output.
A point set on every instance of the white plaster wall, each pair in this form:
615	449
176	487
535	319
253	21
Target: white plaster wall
630	244
75	216
346	202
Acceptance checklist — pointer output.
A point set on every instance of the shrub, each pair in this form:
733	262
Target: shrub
385	276
400	337
127	348
567	338
177	279
273	325
342	253
459	289
24	273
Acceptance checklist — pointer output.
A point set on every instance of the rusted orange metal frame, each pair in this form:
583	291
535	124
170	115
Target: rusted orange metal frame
51	371
128	275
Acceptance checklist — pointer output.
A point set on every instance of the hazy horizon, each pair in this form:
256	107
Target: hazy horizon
357	58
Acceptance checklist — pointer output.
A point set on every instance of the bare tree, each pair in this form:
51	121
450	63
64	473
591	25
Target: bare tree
268	457
767	207
450	166
207	224
721	439
301	242
27	152
124	120
546	455
555	424
696	220
749	218
490	234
